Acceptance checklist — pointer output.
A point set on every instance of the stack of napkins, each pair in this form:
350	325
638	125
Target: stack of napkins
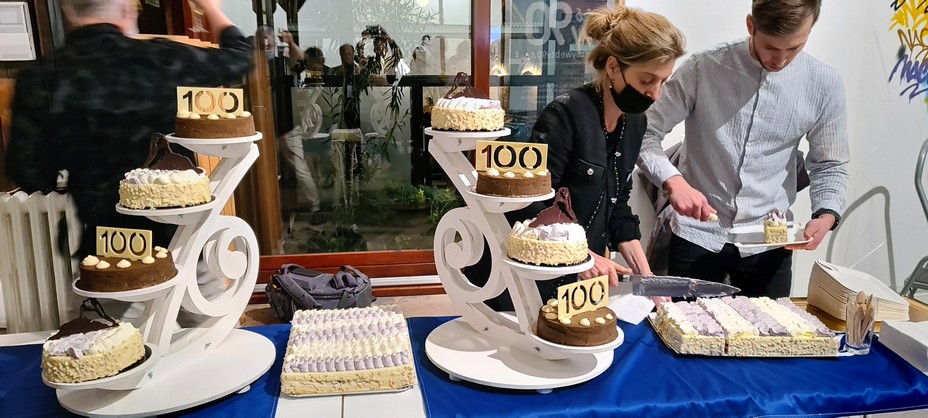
907	339
830	285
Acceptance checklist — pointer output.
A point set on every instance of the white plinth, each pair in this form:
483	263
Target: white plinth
224	369
468	355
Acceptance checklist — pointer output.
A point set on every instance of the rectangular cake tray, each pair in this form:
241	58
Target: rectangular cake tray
362	392
652	319
918	311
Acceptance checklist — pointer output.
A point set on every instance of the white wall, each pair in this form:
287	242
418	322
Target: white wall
885	130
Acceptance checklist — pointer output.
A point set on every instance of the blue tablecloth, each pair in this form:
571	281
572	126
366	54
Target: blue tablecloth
22	393
647	379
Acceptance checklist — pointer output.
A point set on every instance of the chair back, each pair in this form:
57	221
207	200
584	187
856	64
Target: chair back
920	178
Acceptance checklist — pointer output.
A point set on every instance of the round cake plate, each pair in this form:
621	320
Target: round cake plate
222	370
457	349
131	378
502	199
533	272
212	141
218	147
468	134
135	295
177	214
499	204
466	141
593	349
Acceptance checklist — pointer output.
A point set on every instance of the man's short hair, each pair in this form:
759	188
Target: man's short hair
82	9
783	17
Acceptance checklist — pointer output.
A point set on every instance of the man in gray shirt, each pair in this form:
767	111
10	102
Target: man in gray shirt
746	105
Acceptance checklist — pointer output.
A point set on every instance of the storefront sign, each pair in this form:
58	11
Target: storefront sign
583	296
515	157
207	101
131	244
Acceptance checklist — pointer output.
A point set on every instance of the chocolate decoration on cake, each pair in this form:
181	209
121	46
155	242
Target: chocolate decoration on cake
559	213
463	80
162	157
82	324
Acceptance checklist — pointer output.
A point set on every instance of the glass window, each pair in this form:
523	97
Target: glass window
354	171
535	55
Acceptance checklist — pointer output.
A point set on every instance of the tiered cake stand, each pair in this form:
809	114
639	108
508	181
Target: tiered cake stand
483	346
185	367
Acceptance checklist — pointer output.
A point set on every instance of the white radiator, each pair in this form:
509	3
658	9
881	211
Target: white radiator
35	277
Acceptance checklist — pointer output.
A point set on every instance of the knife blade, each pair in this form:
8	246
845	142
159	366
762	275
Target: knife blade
673	286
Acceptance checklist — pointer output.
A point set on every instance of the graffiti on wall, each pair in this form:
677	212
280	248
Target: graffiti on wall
910	23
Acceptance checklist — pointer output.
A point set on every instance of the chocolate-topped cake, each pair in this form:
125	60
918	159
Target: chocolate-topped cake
168	180
585	329
553	238
87	349
115	274
192	125
509	184
467	110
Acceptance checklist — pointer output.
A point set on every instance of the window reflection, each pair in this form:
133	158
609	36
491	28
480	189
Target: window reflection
535	55
345	133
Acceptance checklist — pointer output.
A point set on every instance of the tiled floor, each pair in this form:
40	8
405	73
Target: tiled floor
431	305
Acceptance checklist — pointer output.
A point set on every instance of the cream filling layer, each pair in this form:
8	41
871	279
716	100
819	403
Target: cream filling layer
468	120
143	196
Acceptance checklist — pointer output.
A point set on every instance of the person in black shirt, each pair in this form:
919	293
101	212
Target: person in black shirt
349	73
93	109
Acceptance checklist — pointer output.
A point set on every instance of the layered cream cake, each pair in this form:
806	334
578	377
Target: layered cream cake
347	351
467	114
85	349
509	184
741	326
585	329
775	229
229	125
115	274
553	238
145	188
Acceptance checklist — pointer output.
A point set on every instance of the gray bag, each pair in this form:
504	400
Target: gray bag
294	288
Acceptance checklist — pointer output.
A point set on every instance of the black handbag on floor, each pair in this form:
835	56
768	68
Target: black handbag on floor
294	288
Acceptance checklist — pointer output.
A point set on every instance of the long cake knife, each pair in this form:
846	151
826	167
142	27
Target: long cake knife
673	286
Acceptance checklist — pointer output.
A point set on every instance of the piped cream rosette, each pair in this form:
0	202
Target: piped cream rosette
555	244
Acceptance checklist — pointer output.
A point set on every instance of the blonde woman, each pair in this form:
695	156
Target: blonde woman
594	132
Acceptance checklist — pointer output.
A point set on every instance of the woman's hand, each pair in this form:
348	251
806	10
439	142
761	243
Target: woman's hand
603	266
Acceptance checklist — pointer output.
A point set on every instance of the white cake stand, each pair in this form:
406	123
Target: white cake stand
486	347
186	367
465	354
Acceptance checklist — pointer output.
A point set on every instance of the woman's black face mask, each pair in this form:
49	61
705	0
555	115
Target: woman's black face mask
631	100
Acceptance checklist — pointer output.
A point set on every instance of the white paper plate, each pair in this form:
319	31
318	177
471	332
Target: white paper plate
752	236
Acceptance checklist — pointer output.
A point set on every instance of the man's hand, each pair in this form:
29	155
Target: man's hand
815	231
686	200
286	37
603	266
